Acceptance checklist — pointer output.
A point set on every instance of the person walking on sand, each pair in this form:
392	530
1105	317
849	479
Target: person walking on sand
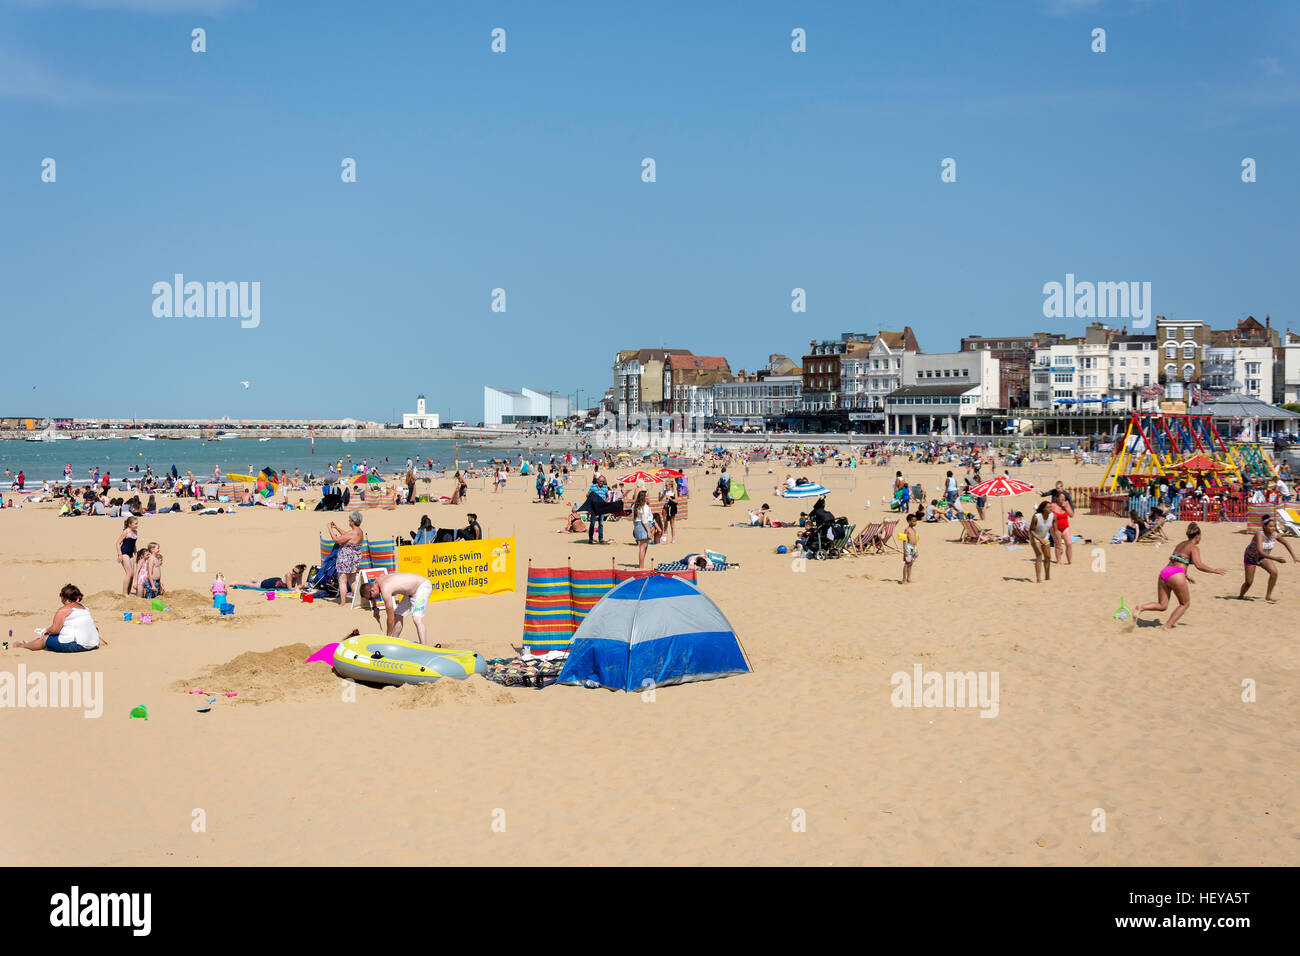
1174	576
124	551
913	538
596	522
1062	510
1041	529
642	520
348	561
1259	554
669	496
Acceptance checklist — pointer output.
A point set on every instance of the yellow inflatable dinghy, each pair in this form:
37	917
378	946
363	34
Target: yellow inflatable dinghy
390	660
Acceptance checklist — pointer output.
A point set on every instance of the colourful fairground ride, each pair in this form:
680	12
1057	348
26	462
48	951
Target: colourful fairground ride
1158	444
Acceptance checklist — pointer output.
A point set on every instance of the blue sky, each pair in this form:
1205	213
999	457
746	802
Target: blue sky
522	171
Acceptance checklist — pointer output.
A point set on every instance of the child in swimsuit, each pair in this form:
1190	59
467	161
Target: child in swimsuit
910	549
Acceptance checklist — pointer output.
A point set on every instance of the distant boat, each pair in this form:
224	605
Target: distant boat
264	439
142	438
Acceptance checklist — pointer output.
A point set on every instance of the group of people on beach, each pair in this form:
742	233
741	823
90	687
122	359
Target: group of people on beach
1175	577
141	567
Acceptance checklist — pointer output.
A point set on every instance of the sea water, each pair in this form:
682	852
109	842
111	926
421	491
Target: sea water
41	461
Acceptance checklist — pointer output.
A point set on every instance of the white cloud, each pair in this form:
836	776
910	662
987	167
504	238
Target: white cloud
1269	64
24	78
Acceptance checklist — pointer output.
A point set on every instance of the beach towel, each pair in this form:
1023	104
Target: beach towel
522	672
277	591
669	566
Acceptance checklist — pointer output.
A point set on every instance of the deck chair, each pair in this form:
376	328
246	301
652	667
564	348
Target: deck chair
865	542
364	575
971	533
843	545
1288	519
1154	533
886	537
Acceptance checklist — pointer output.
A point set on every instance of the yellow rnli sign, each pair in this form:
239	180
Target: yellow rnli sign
460	568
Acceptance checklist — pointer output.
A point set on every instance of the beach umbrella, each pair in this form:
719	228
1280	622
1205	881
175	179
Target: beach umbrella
1001	487
1200	463
637	476
667	473
810	490
370	479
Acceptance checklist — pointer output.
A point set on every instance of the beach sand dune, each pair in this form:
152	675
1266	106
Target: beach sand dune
1114	743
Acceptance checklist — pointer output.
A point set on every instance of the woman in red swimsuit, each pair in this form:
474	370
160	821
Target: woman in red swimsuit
1063	511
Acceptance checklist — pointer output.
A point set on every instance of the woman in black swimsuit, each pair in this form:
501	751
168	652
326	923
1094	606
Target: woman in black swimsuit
125	552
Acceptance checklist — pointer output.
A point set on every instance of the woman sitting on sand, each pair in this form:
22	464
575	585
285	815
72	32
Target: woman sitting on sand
72	630
425	533
1174	576
574	522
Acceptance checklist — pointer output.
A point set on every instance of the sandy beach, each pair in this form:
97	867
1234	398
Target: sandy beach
805	761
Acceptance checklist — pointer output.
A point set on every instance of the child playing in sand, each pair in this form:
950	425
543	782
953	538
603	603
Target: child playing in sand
910	548
155	584
219	586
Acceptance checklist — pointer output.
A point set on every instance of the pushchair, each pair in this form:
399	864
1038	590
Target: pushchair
331	501
324	580
827	540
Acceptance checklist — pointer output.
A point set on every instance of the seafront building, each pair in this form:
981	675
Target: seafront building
1015	355
525	406
420	418
883	382
942	393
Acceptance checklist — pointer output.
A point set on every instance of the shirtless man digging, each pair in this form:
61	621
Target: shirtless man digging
387	589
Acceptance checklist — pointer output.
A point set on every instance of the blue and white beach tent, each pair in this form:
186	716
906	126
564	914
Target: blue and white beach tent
653	631
811	490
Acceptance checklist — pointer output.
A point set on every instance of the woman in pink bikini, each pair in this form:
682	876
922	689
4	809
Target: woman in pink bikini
1174	577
